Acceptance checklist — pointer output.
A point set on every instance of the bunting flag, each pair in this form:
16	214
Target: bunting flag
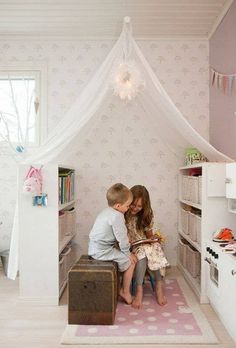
225	82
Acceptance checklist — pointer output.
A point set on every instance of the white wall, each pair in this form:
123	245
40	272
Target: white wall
120	145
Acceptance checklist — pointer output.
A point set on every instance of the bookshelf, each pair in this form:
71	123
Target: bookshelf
46	244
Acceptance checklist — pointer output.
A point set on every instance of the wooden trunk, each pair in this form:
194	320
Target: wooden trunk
93	292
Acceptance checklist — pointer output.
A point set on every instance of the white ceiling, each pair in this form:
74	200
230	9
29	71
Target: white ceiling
103	18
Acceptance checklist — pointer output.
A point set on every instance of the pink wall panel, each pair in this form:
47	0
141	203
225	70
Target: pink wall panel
223	105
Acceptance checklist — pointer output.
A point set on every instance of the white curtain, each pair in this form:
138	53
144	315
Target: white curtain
157	108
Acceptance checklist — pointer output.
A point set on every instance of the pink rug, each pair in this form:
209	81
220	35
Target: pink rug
175	322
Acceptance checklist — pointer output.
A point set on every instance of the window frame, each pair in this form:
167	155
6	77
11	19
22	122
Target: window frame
40	73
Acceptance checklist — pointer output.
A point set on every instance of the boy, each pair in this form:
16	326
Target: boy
109	230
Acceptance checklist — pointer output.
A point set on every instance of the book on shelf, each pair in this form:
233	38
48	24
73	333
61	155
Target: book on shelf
66	185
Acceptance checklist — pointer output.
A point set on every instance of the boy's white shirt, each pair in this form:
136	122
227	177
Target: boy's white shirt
109	228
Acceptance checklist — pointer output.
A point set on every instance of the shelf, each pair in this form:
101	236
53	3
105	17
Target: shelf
194	165
194	244
191	281
195	205
65	205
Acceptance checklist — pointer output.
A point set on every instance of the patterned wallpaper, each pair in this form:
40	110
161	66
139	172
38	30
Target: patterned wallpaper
118	144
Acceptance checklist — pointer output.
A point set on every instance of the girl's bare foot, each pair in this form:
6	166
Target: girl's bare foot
137	302
125	296
161	299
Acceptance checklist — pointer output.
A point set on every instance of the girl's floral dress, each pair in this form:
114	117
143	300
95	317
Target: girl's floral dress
153	251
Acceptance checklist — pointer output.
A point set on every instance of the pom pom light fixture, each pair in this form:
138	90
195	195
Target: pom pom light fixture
127	81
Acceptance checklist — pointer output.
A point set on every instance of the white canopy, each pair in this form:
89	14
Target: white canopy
126	73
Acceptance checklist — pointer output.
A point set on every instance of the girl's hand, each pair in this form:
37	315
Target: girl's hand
149	234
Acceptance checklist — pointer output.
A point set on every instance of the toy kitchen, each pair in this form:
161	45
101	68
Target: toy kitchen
220	257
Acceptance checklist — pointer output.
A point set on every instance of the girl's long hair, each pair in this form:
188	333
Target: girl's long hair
145	216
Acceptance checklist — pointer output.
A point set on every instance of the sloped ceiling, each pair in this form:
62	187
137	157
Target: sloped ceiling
103	18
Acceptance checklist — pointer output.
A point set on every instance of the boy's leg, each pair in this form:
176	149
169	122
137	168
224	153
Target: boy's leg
139	274
160	289
125	288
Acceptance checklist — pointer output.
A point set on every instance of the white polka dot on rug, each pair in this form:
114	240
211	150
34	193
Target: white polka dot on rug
151	318
173	321
170	331
92	330
152	327
133	313
169	281
166	314
138	322
121	319
184	309
146	303
113	327
188	327
133	331
150	310
175	295
179	303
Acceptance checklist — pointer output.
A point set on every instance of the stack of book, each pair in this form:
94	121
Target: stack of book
66	185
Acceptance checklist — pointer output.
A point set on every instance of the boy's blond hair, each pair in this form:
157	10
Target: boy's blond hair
118	193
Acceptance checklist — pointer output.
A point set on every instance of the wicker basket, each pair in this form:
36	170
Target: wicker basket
192	227
70	221
66	255
193	188
185	187
200	189
184	221
194	261
62	273
182	248
62	225
198	228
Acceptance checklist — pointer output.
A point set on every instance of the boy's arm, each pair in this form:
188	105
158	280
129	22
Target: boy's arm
120	232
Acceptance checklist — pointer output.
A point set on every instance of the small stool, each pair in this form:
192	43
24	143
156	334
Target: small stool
92	292
152	281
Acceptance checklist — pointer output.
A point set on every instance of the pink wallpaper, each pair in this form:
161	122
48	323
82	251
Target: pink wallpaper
223	106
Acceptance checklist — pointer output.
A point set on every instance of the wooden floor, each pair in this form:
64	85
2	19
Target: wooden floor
26	326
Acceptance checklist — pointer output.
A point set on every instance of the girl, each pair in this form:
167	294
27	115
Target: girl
139	222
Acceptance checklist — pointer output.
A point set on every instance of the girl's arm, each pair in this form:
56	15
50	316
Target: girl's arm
149	230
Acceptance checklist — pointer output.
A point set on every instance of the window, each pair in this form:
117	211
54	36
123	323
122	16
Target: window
21	107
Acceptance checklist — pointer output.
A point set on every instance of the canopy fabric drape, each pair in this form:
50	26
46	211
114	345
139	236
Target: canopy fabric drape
157	107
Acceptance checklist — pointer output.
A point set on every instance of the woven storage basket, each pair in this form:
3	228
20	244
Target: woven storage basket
62	272
70	222
185	187
182	247
192	227
198	228
66	255
184	221
62	225
193	188
200	189
194	261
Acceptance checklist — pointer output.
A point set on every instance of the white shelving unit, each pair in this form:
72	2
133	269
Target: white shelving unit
231	186
40	245
204	197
